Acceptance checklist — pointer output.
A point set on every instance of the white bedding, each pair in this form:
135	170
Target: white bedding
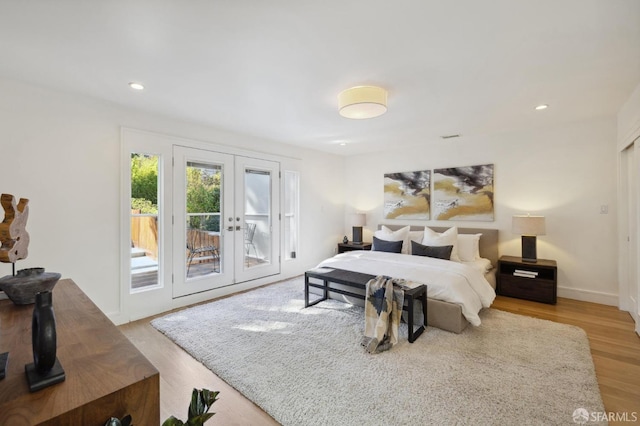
446	280
482	265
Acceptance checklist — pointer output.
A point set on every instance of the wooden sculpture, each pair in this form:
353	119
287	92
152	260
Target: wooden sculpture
13	234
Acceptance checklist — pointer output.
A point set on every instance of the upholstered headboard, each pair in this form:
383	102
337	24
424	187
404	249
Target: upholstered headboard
488	242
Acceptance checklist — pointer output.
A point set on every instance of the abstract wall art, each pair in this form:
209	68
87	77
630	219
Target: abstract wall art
407	195
463	193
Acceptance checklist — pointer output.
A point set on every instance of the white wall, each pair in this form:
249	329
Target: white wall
565	173
63	153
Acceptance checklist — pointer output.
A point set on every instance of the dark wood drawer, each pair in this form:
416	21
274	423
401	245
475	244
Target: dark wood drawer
538	290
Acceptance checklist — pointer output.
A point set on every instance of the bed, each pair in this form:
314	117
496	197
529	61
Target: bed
457	310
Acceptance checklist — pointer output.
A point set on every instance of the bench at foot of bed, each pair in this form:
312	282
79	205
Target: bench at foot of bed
359	281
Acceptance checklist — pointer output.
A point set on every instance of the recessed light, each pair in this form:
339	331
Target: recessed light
541	107
343	144
136	86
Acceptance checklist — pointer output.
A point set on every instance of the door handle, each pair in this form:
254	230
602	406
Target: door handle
230	228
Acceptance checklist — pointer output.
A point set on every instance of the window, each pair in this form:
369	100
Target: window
291	214
144	220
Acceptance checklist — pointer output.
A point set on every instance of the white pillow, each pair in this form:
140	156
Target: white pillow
401	234
447	238
469	247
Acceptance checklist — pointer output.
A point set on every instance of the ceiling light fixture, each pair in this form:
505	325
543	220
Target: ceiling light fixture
136	86
362	102
541	107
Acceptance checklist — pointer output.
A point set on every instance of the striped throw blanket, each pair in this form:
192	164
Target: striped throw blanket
382	313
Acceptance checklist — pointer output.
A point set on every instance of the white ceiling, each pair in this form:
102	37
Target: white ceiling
273	69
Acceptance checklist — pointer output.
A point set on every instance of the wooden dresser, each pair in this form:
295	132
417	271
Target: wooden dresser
106	376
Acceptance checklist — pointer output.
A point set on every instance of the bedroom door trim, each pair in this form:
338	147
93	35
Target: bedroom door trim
629	288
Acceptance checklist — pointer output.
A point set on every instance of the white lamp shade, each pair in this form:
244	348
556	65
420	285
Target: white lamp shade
358	219
528	225
362	102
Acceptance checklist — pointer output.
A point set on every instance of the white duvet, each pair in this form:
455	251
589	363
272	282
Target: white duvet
446	280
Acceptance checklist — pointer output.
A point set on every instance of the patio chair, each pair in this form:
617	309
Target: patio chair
249	232
200	248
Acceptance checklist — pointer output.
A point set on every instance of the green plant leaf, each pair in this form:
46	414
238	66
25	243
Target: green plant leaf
196	407
201	401
172	421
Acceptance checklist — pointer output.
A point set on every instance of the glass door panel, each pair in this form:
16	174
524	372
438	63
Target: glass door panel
257	218
203	190
257	251
203	219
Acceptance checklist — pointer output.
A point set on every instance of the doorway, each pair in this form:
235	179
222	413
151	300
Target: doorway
629	291
226	221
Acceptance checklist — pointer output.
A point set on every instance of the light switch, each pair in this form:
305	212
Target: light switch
604	209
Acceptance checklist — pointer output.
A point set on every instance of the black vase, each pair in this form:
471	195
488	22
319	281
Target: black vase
46	369
43	333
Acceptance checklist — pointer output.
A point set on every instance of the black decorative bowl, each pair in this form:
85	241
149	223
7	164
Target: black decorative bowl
23	287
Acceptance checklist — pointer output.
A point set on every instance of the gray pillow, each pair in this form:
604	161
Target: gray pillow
439	252
388	246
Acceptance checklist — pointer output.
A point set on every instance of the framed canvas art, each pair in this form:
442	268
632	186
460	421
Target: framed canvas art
407	195
463	193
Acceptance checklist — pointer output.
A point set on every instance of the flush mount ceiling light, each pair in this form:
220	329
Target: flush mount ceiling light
362	102
136	86
541	107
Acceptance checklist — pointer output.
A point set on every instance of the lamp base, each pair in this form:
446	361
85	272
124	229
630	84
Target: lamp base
529	251
357	234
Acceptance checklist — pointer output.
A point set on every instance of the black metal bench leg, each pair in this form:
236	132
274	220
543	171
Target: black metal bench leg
413	335
424	308
325	292
410	318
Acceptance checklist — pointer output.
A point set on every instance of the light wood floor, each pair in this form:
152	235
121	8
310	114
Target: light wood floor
614	345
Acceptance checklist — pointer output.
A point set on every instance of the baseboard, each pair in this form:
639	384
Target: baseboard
117	318
610	299
196	298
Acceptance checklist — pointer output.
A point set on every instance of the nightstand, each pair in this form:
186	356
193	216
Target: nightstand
527	280
350	246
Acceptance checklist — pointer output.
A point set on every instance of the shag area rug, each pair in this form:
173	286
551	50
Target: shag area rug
307	367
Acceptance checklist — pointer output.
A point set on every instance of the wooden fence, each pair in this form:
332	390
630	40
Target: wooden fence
144	233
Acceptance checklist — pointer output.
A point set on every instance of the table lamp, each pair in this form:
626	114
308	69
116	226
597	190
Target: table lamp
528	227
358	220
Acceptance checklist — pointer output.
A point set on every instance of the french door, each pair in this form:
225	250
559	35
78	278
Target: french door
226	223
